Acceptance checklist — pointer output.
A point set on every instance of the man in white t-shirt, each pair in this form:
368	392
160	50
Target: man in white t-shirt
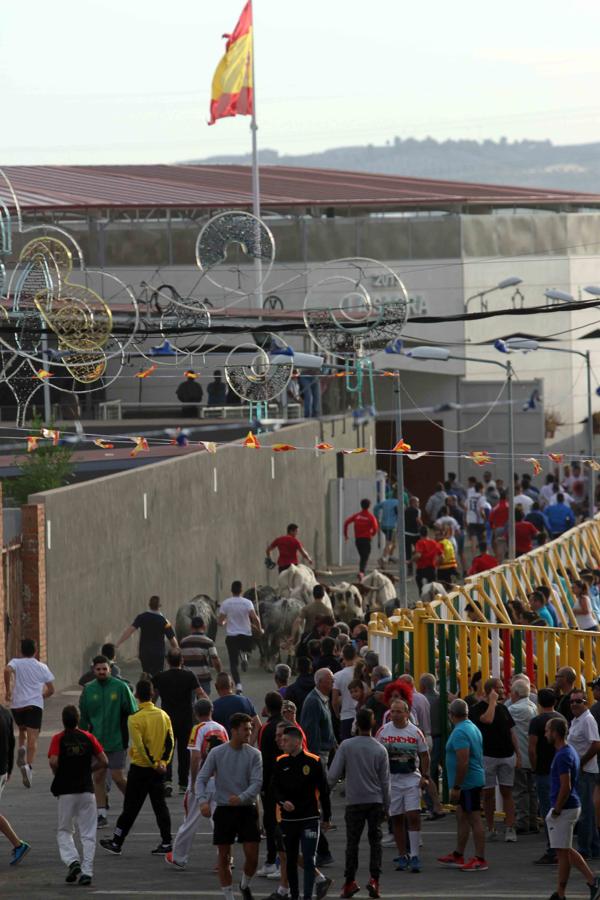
475	523
205	735
27	683
524	501
584	738
409	772
238	615
343	704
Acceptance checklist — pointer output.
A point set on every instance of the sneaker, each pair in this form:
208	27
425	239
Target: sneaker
84	880
595	888
27	775
21	757
19	852
269	869
109	844
102	821
491	834
350	889
73	872
373	888
246	893
324	859
510	836
172	862
452	861
475	865
548	859
162	850
414	864
401	863
276	875
388	840
322	887
168	789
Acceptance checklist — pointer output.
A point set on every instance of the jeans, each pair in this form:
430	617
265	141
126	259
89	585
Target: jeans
542	784
587	833
310	388
302	835
143	782
355	817
236	643
363	545
525	797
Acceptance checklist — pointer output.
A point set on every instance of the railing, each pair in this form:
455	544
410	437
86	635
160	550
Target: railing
114	409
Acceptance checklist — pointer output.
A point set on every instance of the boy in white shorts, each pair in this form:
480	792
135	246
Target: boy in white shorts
409	772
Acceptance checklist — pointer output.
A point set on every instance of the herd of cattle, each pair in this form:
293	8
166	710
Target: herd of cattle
280	607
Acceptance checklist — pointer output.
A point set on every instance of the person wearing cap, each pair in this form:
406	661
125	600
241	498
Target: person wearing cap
200	654
216	390
189	392
153	628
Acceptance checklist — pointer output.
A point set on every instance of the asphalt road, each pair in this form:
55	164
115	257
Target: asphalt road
138	874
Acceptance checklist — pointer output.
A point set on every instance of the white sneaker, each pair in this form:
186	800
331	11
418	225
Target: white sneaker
388	840
276	875
510	836
268	869
27	773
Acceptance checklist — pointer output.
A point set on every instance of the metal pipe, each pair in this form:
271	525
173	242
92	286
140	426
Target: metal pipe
590	435
400	530
511	465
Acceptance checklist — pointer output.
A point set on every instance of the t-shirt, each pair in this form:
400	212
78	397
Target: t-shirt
198	650
176	688
497	741
411	520
288	547
403	746
75	750
225	707
387	512
482	563
473	498
565	761
545	614
466	735
499	515
30	677
341	680
524	502
154	628
524	533
237	610
430	552
544	750
583	730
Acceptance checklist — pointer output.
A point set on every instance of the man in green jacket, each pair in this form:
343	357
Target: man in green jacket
105	705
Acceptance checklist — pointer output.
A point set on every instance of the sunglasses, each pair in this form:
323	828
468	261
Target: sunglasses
578	701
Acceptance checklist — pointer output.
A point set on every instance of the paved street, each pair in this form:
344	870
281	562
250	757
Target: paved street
137	874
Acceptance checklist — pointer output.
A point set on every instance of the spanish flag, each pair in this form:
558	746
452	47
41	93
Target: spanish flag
232	87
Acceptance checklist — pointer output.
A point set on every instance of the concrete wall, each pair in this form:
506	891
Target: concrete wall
104	559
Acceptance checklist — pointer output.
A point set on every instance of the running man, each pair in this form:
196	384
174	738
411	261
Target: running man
73	756
237	771
153	628
7	757
365	528
152	745
105	705
300	788
386	513
238	615
409	772
27	682
206	735
289	547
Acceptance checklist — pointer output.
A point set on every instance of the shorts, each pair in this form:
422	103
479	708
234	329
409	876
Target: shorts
389	533
499	770
470	800
233	823
560	828
28	717
117	759
475	529
405	800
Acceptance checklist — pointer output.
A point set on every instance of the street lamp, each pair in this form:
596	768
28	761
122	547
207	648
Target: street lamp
443	354
511	281
559	296
527	344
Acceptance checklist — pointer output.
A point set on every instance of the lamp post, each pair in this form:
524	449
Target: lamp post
443	354
526	344
511	281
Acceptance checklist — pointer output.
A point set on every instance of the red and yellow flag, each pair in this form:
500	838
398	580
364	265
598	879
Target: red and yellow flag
401	447
252	441
232	84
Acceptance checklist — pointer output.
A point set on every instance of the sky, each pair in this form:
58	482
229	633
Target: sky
128	81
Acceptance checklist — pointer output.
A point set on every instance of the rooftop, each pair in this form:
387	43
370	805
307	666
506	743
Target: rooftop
283	189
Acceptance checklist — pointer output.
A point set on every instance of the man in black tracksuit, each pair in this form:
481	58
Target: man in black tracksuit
299	786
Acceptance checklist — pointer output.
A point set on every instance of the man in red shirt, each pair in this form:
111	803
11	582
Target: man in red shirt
289	547
365	528
426	556
483	561
524	534
498	521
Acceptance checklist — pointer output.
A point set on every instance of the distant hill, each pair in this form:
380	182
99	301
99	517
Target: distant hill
526	163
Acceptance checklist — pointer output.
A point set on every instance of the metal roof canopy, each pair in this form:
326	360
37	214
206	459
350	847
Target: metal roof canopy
283	188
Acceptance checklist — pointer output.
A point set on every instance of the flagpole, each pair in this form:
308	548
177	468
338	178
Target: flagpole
255	177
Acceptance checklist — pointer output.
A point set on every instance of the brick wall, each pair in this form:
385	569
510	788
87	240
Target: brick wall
33	556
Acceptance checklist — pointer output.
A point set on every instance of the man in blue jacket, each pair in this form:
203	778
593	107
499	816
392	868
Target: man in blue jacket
559	515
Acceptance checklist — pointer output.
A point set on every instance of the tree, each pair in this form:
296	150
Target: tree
43	469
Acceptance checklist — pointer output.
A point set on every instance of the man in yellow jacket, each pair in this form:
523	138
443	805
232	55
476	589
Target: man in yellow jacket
151	748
